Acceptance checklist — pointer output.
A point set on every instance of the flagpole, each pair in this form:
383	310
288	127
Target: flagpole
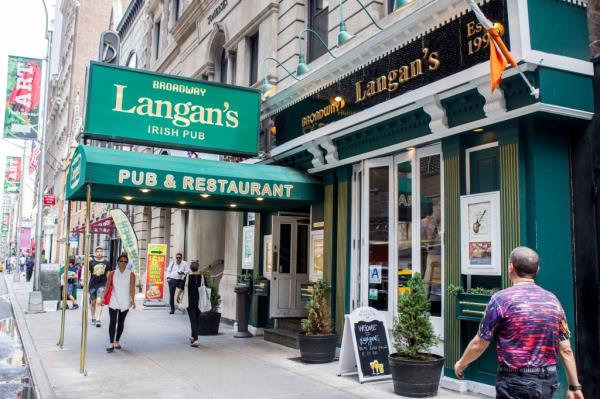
35	303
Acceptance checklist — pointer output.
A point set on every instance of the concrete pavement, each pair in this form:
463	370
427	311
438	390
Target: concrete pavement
157	362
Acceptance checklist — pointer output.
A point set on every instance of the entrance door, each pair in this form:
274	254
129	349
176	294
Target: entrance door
290	265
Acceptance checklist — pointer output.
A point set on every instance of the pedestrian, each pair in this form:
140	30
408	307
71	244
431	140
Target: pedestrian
191	283
22	261
531	331
122	281
71	280
99	268
29	265
175	273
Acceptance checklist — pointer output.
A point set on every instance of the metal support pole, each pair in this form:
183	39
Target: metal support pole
61	340
35	297
86	283
20	209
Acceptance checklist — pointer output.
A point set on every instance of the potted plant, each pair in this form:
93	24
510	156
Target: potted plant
208	322
416	372
471	303
316	340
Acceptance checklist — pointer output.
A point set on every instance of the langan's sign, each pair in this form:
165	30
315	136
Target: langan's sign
141	107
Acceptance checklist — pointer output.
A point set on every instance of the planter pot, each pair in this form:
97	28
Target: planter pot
416	378
208	323
471	307
317	348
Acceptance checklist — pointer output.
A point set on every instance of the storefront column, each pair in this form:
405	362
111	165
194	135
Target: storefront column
509	197
342	247
452	190
329	234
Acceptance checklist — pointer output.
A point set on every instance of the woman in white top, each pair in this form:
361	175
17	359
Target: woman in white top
122	298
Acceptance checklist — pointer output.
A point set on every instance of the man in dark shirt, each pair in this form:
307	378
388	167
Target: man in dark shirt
29	265
99	268
530	327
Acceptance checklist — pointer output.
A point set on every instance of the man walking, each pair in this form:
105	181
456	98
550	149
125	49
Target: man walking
29	265
530	326
175	273
99	268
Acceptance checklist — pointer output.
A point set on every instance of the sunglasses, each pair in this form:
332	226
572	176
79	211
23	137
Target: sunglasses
178	257
122	261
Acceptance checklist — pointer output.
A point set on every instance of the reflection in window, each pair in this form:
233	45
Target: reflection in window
431	225
378	237
404	227
317	255
302	249
285	247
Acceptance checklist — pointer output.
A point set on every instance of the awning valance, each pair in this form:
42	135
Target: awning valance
137	178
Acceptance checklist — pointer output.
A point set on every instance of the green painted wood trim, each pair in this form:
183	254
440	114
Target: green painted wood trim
510	209
257	266
451	255
342	245
328	233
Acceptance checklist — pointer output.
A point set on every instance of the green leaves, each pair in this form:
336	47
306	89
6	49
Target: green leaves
413	332
319	319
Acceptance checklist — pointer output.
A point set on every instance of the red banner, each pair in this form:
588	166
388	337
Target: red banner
12	175
155	271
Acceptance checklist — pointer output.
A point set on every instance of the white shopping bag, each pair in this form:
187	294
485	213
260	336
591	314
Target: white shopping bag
204	293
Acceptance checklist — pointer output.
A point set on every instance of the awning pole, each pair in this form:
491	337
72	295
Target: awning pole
86	283
61	340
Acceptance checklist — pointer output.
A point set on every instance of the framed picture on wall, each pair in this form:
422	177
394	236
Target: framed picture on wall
316	255
480	234
248	248
268	256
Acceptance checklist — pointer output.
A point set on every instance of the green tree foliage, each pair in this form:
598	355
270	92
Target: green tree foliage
413	332
319	320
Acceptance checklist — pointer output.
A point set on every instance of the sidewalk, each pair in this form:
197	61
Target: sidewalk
157	362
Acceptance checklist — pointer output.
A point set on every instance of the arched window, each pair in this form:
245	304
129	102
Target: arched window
132	60
223	67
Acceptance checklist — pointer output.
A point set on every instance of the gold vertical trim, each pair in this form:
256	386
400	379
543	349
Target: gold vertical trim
86	283
61	339
509	204
342	245
451	256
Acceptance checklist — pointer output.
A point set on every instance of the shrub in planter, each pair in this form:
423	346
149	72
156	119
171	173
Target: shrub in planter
415	371
208	322
316	341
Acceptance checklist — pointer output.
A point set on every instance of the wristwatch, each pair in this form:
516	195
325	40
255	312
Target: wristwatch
575	387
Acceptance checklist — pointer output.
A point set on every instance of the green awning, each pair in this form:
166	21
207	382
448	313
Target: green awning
137	178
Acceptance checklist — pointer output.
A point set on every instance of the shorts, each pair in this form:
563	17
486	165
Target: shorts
69	289
96	293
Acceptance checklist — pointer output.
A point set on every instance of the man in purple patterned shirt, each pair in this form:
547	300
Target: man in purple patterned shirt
531	331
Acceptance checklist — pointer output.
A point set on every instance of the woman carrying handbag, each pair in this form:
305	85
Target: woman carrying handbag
120	296
191	282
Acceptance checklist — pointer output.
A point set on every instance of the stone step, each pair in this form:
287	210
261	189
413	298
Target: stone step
282	336
289	324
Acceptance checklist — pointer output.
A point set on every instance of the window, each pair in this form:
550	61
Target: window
223	66
253	58
176	10
156	39
318	13
132	60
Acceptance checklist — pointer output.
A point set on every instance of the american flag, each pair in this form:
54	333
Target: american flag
34	158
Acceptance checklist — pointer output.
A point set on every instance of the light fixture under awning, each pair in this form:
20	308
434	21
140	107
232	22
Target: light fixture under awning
197	183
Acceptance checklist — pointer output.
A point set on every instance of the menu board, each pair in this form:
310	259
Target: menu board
365	345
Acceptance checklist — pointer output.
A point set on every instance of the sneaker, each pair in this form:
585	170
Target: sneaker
98	323
171	312
93	321
76	306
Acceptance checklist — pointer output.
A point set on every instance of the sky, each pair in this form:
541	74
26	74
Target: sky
22	33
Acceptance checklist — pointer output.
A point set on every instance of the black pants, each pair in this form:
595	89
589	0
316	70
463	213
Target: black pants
194	314
117	322
173	284
29	273
525	386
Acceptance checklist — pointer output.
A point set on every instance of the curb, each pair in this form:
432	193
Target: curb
41	384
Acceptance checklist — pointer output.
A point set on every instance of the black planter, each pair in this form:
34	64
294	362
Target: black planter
317	348
416	378
208	323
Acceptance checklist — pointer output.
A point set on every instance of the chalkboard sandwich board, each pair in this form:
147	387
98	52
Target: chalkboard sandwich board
365	345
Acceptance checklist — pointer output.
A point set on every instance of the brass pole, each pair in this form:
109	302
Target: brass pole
86	282
61	340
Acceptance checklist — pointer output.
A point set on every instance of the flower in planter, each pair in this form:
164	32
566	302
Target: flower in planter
413	332
319	319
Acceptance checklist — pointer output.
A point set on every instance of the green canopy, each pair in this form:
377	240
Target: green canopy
137	178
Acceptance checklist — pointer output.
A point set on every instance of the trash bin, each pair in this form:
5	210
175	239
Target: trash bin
241	312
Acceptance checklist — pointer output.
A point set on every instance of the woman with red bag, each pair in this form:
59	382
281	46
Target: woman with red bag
120	296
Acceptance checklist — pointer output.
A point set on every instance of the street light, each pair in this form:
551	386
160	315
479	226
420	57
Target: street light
267	88
345	36
302	67
35	303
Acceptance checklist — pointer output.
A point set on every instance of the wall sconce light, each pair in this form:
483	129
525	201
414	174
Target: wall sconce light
267	88
344	35
302	67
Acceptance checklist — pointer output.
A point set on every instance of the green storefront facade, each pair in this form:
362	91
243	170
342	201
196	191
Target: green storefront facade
395	164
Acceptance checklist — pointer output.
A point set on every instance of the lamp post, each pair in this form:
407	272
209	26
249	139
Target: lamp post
302	67
344	35
35	297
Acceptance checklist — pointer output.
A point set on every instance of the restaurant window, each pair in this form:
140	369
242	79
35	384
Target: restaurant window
253	42
318	14
223	67
156	39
